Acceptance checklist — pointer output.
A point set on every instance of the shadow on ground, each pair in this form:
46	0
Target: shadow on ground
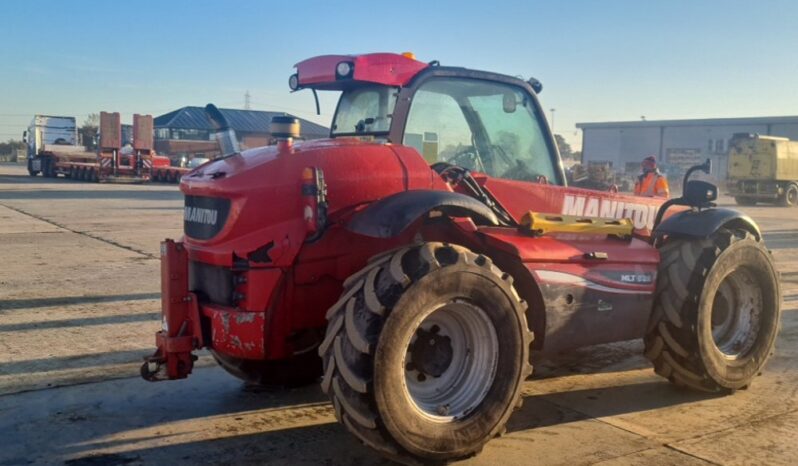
172	194
329	443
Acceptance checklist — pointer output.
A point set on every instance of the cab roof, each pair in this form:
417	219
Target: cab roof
390	69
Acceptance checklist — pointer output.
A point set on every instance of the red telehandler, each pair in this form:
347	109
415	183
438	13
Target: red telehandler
430	244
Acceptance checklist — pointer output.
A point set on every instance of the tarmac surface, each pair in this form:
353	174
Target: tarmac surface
79	305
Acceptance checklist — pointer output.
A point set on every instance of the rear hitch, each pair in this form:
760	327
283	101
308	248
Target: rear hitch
157	367
181	331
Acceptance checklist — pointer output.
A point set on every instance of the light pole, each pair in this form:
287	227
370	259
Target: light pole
552	110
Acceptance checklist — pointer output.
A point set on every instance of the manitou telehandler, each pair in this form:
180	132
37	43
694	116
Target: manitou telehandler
430	244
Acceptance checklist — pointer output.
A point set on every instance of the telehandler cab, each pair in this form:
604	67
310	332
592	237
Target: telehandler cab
429	245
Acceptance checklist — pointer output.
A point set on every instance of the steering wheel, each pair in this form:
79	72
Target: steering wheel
467	158
497	149
520	172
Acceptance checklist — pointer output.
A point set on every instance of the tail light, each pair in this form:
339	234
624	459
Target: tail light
314	201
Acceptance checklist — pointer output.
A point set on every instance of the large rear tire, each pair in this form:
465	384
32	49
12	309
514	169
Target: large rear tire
790	197
426	353
300	370
716	311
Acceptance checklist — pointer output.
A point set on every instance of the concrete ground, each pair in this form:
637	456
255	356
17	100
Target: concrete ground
79	303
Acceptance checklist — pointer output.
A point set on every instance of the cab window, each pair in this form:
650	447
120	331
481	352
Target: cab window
488	127
365	111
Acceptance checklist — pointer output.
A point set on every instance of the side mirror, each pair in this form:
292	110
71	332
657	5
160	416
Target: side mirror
25	137
699	193
508	102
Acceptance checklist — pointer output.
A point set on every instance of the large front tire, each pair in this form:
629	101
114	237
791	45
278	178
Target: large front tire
426	353
716	312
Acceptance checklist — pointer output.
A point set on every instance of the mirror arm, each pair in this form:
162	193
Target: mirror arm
705	167
316	98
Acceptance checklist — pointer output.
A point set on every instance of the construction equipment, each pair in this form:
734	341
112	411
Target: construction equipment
763	169
399	251
53	150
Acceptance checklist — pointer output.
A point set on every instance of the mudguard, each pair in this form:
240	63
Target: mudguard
703	223
389	216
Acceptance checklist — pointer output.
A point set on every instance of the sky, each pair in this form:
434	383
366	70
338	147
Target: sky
611	60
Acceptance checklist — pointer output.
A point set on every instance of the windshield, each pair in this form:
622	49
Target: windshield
489	127
365	111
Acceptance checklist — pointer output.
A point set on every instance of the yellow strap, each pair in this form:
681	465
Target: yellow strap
542	224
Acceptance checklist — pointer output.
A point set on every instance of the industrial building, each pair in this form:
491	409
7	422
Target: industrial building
676	143
188	132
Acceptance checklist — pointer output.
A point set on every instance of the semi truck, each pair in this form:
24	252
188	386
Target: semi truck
763	169
49	135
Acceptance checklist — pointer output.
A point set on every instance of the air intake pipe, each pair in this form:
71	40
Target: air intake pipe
284	129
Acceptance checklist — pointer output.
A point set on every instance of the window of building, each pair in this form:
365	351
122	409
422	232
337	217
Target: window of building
189	134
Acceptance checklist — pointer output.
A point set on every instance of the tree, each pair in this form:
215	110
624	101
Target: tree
565	149
10	146
88	132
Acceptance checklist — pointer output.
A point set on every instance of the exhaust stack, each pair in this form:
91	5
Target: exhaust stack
225	135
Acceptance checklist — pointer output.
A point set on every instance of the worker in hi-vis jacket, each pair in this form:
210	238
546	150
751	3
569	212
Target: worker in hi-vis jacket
651	183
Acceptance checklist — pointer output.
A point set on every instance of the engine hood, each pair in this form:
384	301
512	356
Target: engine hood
260	191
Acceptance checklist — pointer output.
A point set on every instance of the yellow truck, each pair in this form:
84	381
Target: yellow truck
763	169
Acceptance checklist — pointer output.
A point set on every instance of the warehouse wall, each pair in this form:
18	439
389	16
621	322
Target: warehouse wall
628	144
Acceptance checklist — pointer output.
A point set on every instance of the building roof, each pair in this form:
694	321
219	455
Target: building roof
247	121
694	122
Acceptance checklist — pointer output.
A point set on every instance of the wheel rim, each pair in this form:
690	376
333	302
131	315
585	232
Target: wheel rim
736	314
451	360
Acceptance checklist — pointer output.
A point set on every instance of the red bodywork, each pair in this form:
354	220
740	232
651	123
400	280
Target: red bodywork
279	276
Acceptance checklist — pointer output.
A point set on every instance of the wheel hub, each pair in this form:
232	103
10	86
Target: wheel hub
736	312
450	361
431	352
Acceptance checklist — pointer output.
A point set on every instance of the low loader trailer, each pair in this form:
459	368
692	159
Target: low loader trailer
53	150
162	170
